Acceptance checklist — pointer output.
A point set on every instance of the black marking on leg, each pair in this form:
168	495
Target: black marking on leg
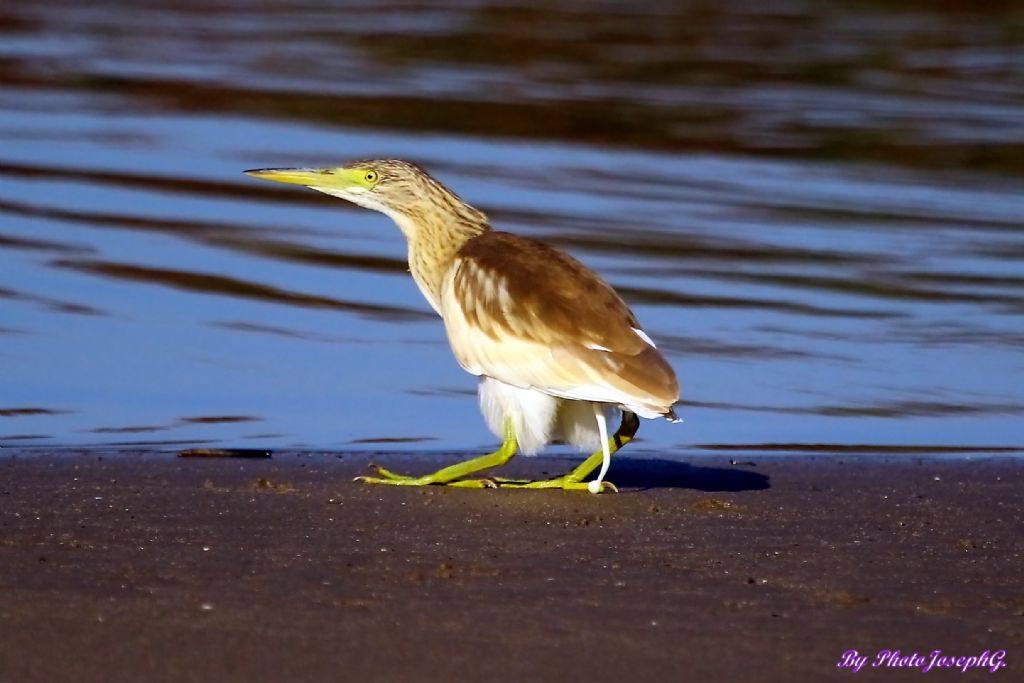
627	429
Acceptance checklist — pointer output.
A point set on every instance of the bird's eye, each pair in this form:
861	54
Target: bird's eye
371	176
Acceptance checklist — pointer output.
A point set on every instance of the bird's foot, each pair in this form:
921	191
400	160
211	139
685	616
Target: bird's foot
502	481
388	477
388	474
566	483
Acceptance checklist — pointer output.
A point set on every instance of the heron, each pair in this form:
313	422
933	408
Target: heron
557	351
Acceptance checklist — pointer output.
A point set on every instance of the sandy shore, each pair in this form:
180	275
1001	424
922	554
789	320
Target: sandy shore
139	566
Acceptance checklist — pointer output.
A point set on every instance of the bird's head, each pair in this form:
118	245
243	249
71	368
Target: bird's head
391	186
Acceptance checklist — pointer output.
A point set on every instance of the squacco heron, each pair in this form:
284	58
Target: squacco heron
557	351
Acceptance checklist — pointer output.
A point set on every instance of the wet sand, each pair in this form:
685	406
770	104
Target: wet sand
135	566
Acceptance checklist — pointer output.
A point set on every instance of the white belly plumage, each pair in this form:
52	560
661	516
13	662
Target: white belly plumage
539	418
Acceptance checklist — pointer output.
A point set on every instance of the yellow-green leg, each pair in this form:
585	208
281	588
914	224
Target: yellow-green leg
452	475
574	479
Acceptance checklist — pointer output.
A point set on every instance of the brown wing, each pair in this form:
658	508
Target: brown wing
532	316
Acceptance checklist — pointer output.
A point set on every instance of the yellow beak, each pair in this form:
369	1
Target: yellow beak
292	176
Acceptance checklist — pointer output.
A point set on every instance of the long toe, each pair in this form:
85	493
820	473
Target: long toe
474	484
564	483
503	481
388	474
398	480
405	481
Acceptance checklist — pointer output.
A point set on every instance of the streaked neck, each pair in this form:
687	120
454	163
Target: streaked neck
435	238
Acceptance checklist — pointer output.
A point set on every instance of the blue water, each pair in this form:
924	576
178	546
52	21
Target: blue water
824	259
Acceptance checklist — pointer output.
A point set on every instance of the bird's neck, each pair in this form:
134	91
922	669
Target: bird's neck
435	238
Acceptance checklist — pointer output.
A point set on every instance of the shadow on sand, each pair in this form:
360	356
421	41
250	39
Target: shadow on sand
652	474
